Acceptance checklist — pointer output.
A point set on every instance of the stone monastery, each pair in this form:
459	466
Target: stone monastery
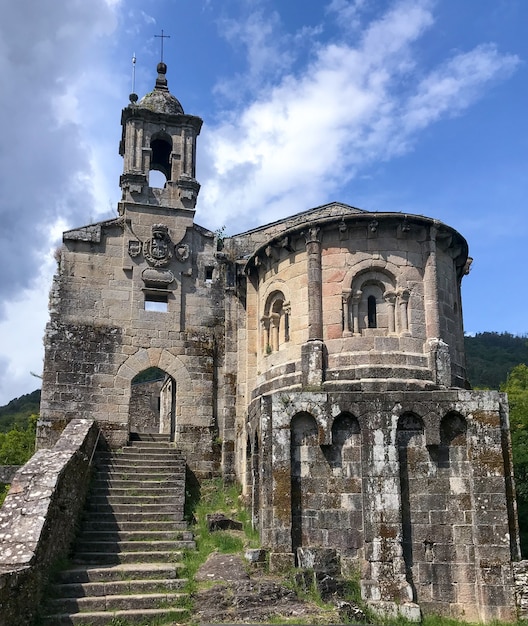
317	360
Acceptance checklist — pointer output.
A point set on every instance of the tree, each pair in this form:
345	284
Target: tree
17	446
517	390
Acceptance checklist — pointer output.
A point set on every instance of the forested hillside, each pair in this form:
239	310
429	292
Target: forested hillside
16	413
491	356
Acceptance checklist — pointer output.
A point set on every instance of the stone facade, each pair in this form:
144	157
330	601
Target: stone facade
319	360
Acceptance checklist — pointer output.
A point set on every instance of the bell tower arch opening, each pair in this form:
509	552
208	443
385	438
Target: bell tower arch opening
161	147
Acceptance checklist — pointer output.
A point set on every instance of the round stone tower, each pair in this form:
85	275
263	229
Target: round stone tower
358	440
370	301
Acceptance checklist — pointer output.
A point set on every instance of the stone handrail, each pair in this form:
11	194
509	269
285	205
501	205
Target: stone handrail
39	517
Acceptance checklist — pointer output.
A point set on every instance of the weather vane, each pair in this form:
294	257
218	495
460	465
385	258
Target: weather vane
162	37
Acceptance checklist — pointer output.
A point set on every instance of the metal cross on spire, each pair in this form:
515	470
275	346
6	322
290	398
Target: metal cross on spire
162	37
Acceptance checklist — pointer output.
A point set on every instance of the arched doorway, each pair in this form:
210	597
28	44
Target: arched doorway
152	403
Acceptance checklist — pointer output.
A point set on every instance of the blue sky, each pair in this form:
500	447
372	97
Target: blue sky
413	106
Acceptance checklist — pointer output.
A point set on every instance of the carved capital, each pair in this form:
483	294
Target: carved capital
312	235
390	297
404	295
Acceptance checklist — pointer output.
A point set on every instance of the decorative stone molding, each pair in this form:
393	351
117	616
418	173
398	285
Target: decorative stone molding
158	250
157	278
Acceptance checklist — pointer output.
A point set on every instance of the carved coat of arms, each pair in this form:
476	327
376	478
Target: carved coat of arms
158	250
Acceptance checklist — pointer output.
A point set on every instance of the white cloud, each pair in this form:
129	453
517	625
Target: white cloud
22	330
347	12
267	49
44	158
457	84
355	103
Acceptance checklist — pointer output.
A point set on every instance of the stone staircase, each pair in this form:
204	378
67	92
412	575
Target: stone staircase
127	560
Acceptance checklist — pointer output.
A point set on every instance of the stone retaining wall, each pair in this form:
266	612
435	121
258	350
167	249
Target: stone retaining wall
520	571
38	519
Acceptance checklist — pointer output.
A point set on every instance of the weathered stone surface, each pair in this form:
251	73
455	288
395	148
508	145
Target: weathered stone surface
224	567
318	559
219	521
39	516
520	569
255	555
7	473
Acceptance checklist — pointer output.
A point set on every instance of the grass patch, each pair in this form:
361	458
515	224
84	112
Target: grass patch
4	488
214	496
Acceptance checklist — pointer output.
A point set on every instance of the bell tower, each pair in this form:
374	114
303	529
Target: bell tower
158	136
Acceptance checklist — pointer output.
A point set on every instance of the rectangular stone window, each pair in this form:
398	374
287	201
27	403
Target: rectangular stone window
157	301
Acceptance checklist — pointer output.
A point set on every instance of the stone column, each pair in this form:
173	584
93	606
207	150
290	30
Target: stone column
184	153
312	351
404	311
356	299
265	326
138	148
146	155
390	299
384	585
286	310
274	334
432	316
315	297
347	318
277	484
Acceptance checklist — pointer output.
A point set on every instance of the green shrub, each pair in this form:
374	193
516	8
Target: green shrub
4	488
17	446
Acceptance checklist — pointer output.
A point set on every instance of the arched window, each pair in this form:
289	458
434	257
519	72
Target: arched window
453	429
275	322
371	312
374	302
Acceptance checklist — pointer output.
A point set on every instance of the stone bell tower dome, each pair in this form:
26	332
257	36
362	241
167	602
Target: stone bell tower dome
157	135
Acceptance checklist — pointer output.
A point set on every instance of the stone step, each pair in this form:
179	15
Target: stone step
133	478
149	437
143	456
138	489
152	442
117	587
139	523
104	618
156	448
115	602
150	463
168	481
127	560
113	501
138	472
154	556
120	572
108	547
138	535
156	510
